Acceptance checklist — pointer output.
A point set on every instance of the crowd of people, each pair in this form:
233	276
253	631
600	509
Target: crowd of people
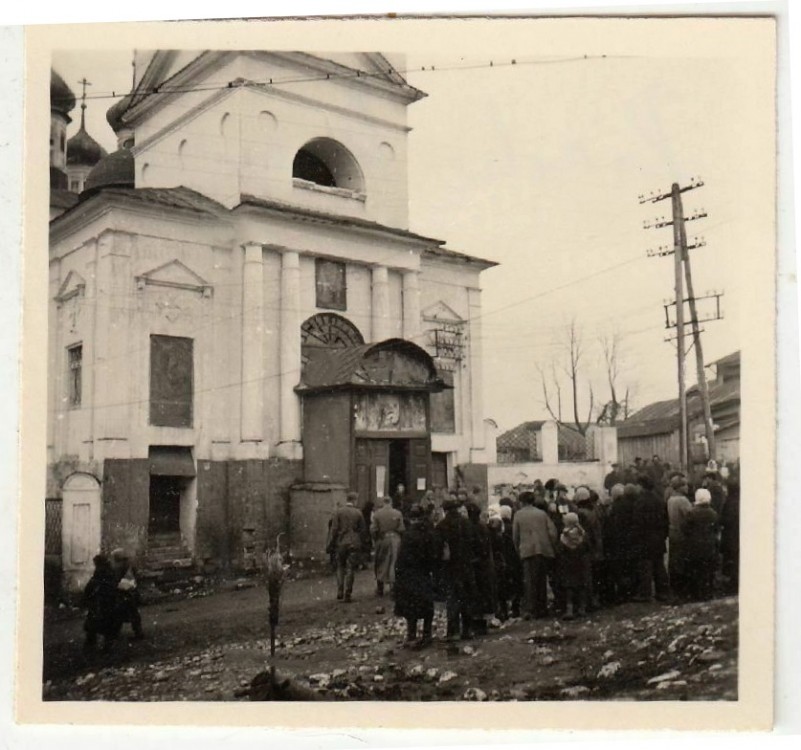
649	533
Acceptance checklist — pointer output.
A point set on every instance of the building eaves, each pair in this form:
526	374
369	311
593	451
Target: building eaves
178	199
323	217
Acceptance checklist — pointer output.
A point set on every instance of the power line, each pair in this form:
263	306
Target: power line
165	88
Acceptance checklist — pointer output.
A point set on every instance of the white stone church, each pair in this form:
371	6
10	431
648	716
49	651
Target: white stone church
242	325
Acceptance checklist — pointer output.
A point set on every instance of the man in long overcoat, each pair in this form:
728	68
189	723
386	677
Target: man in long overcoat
454	540
649	531
386	528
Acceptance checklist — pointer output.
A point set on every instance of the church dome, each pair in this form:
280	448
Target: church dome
62	99
116	111
114	170
82	149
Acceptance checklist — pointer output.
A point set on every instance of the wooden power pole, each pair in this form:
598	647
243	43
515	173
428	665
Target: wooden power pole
683	273
678	255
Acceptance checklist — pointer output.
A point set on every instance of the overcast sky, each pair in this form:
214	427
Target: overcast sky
539	166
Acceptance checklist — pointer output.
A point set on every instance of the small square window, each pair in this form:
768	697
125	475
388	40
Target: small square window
75	365
331	286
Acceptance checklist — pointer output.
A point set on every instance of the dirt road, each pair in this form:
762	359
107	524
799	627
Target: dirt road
210	648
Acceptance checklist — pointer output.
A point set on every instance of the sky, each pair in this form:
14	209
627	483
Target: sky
538	166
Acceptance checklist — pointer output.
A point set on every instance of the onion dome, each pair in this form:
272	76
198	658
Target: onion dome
82	149
62	100
114	170
116	111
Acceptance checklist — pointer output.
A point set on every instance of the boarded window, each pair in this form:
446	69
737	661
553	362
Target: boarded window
75	366
171	381
331	287
443	413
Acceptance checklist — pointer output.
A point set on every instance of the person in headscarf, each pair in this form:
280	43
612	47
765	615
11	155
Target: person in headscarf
386	529
418	558
701	545
573	566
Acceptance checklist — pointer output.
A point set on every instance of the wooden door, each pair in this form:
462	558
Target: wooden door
371	469
439	470
418	467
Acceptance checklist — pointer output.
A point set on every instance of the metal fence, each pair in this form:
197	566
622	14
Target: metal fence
53	526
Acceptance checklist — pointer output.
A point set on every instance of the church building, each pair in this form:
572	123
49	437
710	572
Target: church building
242	326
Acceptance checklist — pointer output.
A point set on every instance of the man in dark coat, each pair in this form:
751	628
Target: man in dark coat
418	558
454	539
649	531
621	541
483	571
730	538
345	540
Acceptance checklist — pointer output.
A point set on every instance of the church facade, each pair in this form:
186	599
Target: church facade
242	326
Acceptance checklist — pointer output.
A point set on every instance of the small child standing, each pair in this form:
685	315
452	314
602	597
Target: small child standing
574	566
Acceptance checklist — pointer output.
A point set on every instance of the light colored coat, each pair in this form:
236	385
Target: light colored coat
533	533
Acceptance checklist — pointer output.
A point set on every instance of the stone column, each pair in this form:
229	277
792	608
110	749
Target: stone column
289	445
549	435
380	303
411	306
252	389
476	376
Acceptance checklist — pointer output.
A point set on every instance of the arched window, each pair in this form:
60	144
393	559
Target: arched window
327	331
326	162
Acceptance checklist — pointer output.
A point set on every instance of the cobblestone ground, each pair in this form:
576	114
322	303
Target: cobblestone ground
209	648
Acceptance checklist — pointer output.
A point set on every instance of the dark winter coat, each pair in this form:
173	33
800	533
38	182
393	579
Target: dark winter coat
418	559
483	570
730	526
591	523
701	533
101	600
619	537
347	529
649	525
455	542
574	565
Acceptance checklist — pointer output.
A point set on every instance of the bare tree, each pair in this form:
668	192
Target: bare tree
617	407
571	370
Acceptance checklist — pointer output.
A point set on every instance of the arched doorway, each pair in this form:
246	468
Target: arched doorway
80	528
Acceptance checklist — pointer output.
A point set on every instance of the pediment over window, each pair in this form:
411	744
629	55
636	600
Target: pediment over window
175	275
440	312
72	286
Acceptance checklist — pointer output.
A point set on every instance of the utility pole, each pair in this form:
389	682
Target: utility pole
682	273
678	256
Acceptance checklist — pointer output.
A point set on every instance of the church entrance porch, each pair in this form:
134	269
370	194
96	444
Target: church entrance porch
366	427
